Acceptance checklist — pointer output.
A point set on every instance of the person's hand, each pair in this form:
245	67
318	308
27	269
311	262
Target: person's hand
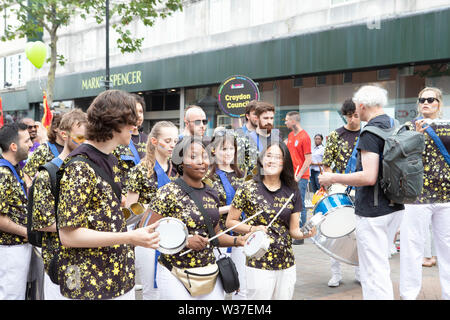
197	242
146	237
311	233
419	125
326	178
241	240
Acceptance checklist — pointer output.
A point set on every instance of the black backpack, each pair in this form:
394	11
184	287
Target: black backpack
35	237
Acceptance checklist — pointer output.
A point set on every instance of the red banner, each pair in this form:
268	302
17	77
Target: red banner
47	118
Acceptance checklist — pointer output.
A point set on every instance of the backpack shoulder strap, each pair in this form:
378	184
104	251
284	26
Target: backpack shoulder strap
382	133
116	188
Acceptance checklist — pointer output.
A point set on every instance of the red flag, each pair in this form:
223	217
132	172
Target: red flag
47	118
1	113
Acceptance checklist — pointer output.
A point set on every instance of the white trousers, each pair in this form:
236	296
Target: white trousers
238	257
145	268
373	237
270	284
412	247
170	288
14	267
51	290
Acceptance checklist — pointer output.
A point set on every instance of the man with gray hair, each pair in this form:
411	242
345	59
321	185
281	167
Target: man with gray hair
372	221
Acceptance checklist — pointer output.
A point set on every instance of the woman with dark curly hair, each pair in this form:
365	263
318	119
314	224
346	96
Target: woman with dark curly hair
96	259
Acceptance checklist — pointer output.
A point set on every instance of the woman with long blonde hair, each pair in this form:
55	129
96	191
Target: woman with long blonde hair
154	171
433	206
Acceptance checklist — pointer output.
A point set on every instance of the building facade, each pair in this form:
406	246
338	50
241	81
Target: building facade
307	56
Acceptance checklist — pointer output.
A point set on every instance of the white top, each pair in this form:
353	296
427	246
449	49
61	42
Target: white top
317	156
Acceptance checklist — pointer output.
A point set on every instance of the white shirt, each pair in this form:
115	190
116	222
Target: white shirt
317	156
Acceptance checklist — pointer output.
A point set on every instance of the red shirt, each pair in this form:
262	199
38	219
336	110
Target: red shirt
299	145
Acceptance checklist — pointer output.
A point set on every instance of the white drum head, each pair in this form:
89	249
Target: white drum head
339	223
172	235
254	243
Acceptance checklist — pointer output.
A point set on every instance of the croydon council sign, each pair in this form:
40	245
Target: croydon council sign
235	93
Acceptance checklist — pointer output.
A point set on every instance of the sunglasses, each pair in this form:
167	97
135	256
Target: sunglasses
33	127
429	100
199	122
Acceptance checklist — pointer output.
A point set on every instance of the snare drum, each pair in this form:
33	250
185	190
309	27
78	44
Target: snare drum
173	235
339	215
257	245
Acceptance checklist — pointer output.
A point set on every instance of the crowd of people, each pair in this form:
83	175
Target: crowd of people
70	189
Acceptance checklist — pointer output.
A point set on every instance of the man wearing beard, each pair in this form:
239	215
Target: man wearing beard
264	131
15	251
299	145
251	118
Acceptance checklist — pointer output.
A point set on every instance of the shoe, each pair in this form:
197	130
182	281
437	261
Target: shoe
297	242
433	261
138	287
427	262
335	281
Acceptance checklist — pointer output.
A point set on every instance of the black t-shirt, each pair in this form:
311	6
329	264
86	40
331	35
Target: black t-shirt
364	200
254	196
107	162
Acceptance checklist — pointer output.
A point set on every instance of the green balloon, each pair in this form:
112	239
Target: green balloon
36	52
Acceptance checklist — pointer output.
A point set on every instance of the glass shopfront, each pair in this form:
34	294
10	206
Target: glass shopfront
319	98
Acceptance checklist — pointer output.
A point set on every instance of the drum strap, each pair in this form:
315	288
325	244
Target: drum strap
191	193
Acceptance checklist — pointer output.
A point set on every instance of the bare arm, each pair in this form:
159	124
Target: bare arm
304	167
132	197
224	209
233	219
87	238
294	229
367	177
8	226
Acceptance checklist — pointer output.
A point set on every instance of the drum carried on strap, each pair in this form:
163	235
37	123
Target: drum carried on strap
336	228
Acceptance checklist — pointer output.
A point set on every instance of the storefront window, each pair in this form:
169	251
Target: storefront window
319	98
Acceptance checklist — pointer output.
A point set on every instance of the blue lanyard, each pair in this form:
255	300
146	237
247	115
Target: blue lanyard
255	137
163	179
53	149
136	159
229	190
438	142
351	164
6	163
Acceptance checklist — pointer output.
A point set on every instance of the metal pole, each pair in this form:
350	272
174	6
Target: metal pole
107	46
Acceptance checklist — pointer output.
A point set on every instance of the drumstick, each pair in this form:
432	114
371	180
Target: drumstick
229	229
296	170
284	206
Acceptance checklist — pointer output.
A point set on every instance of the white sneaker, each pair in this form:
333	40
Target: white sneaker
334	281
138	287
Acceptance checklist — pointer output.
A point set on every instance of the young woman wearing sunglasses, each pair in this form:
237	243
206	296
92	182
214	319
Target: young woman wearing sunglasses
433	206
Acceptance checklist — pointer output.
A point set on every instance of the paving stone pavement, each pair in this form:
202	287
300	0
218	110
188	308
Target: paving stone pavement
314	272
